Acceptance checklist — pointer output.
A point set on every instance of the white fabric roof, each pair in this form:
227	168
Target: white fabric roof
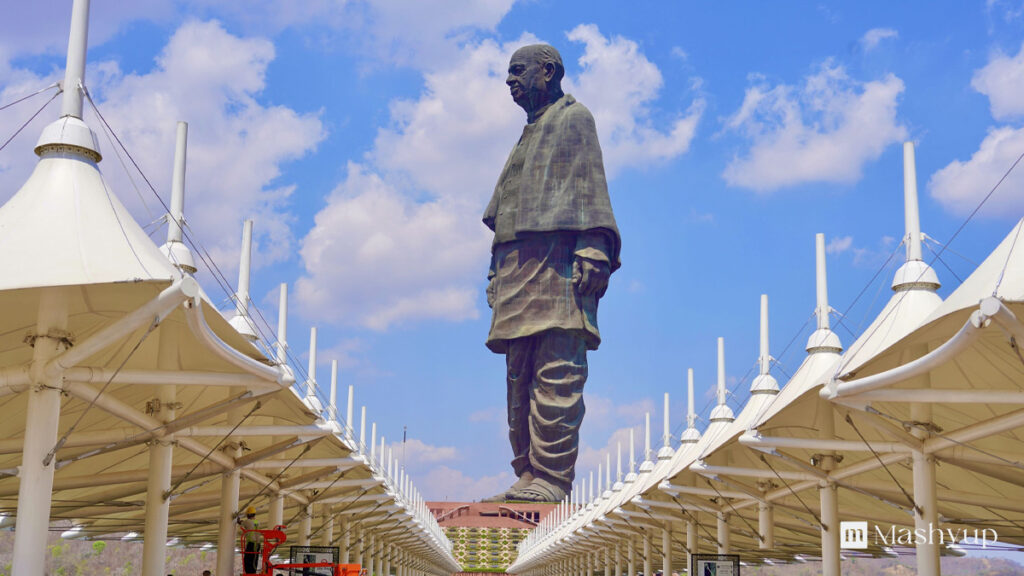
65	227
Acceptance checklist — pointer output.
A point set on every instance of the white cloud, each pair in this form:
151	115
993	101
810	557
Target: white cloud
444	483
237	145
1002	80
401	239
839	244
823	131
961	185
872	38
418	452
492	414
376	257
618	84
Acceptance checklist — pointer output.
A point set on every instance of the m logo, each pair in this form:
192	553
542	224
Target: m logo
853	535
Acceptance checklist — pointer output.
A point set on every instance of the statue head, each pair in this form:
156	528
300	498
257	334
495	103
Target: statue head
535	77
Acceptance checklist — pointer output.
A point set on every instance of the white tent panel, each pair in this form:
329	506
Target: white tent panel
66	227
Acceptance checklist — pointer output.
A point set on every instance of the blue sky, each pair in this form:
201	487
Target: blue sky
365	137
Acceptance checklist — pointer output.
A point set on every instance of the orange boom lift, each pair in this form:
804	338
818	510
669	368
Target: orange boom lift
274	538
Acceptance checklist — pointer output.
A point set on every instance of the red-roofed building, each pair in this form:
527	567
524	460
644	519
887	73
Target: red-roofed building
485	534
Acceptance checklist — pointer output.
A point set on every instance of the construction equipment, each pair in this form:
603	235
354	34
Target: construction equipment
272	539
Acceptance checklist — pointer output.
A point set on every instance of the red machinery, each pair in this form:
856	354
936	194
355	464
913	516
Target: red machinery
274	538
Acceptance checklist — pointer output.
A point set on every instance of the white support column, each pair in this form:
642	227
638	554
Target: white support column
276	510
618	559
607	562
35	487
387	560
154	542
305	524
631	555
691	541
723	533
346	540
648	564
830	530
368	546
358	536
829	498
926	517
327	532
766	525
379	564
666	549
226	538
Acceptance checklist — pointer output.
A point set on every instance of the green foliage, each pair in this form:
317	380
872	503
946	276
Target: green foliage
98	547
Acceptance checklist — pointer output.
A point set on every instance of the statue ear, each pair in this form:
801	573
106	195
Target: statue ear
549	71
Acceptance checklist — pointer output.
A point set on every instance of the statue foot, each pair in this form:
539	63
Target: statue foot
540	490
519	484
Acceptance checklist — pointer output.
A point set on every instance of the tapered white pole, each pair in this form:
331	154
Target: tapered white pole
311	369
74	72
334	390
912	214
362	427
348	410
282	325
175	251
241	320
174	228
722	412
647	436
373	440
618	469
667	435
915	273
821	282
608	471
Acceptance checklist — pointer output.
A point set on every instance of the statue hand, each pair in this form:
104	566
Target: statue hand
590	276
491	292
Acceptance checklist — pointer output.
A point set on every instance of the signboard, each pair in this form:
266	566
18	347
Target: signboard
714	564
313	555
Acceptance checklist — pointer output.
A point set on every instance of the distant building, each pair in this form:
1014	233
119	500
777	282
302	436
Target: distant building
485	535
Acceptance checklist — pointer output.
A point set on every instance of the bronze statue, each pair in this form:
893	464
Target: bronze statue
555	246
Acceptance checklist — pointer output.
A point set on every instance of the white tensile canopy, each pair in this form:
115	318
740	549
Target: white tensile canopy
133	411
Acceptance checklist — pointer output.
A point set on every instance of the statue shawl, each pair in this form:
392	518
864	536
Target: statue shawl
562	185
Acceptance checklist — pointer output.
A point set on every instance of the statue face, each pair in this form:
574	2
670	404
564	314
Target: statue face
528	80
